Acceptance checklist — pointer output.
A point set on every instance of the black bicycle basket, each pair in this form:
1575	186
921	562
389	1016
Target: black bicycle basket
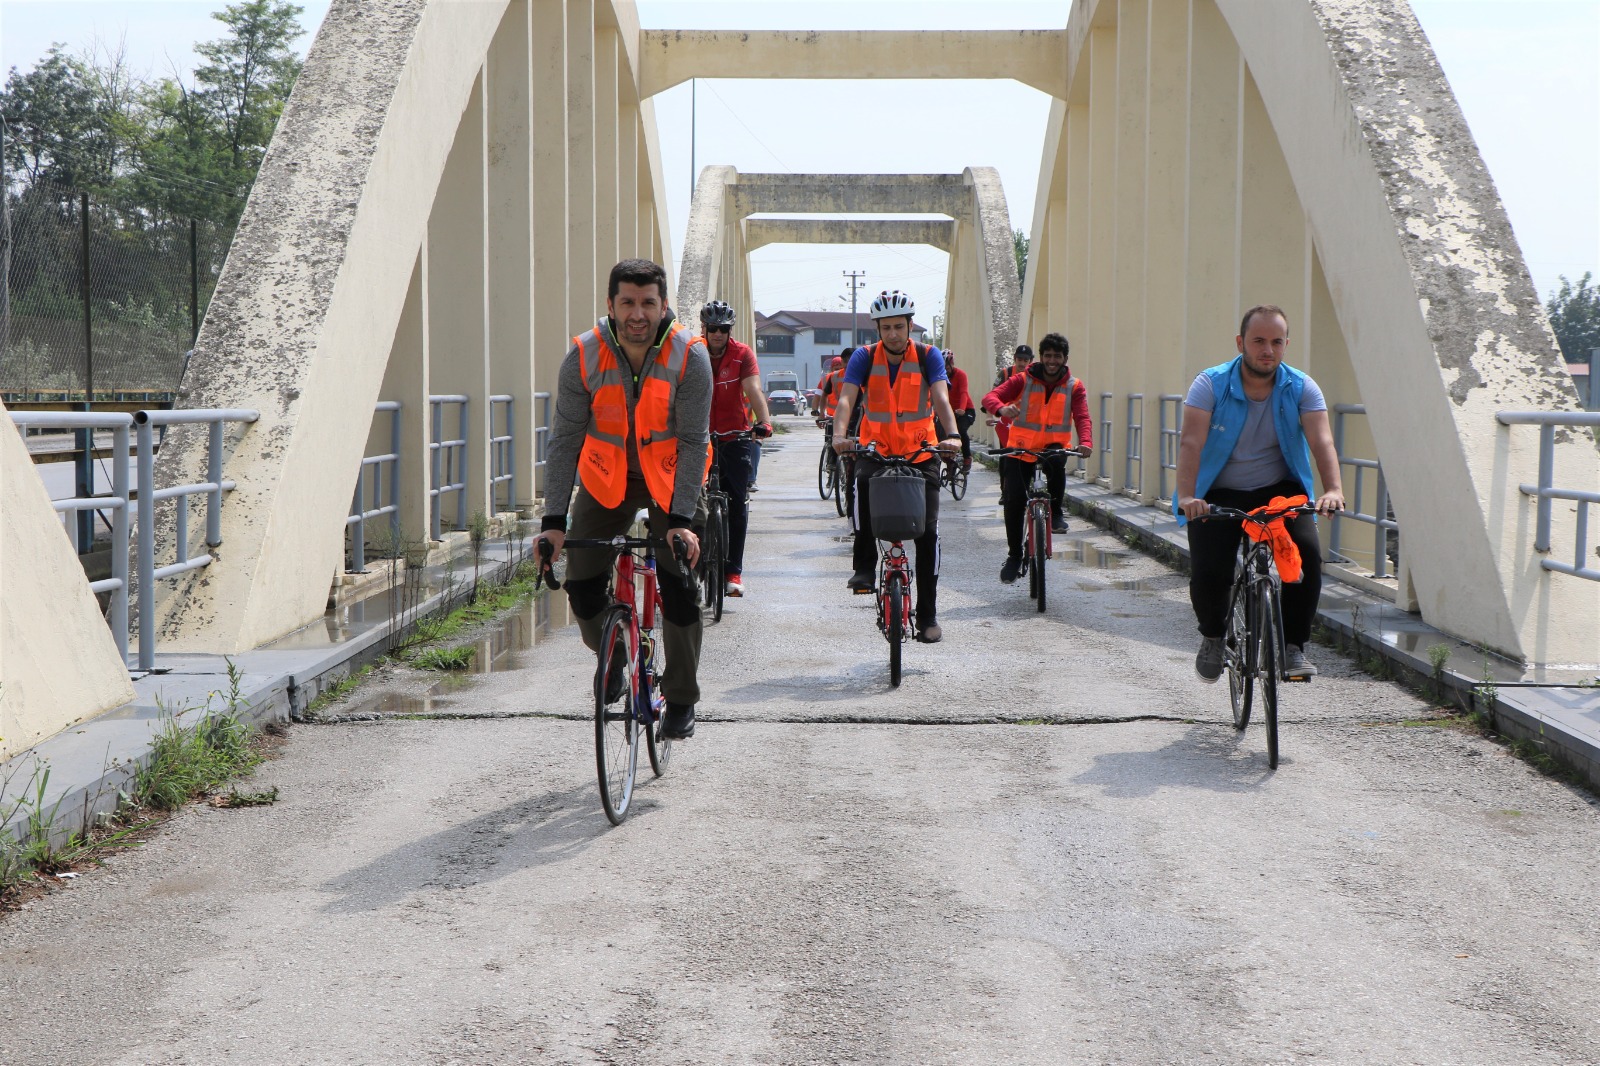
899	505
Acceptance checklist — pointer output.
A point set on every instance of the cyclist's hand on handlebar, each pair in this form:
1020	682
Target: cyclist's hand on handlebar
844	445
1330	503
1083	450
690	542
1010	410
950	445
761	430
547	546
1193	506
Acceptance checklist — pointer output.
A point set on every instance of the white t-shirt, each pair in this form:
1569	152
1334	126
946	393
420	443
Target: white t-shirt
1257	461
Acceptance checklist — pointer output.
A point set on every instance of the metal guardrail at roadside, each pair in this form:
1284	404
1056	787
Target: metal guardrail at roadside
1105	434
118	503
212	488
1545	490
447	466
359	511
1171	432
541	432
503	454
1133	454
1379	518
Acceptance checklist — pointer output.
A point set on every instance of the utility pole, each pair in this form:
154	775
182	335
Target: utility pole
857	282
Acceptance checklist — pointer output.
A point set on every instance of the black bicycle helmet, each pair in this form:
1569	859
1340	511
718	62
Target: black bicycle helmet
716	313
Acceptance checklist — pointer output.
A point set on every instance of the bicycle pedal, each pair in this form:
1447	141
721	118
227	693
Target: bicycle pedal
1298	679
864	592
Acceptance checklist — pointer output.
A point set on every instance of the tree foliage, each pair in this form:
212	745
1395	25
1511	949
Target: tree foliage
183	148
1019	246
1574	312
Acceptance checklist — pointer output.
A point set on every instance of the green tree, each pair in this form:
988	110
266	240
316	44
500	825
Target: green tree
54	132
1019	245
248	74
1575	317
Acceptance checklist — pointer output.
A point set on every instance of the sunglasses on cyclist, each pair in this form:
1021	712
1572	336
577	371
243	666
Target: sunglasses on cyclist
719	329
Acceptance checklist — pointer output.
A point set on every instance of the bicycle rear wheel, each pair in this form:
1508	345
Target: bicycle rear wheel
894	604
826	461
1267	615
1236	645
657	746
1041	552
616	733
712	552
958	479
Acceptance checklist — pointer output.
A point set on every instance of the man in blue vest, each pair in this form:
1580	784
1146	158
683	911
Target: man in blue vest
1251	427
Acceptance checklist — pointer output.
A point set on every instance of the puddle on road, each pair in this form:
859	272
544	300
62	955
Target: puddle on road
1089	555
1137	585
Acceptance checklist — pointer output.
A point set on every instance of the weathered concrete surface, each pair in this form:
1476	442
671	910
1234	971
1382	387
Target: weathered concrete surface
760	232
1139	891
50	676
1036	58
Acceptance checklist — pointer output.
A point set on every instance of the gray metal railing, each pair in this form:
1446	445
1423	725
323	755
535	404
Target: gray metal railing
1105	435
1545	490
359	511
1379	518
1133	454
447	472
118	503
503	454
212	488
1171	433
541	432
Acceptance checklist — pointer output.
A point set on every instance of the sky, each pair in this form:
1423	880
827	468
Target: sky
1526	72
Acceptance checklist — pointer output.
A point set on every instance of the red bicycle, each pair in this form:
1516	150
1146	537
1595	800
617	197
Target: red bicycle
627	704
900	518
1036	528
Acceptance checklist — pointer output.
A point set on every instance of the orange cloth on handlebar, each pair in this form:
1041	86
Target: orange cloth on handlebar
1284	550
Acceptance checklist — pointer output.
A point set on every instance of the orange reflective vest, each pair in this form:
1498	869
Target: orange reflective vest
603	463
1041	422
830	390
898	417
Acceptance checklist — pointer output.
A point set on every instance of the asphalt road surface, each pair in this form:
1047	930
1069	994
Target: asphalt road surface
1048	845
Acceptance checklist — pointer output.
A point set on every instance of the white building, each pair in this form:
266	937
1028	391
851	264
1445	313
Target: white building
805	342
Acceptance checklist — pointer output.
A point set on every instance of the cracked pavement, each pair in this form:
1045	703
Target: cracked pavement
1048	845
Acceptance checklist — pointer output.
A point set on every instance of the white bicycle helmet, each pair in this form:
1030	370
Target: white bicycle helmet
890	304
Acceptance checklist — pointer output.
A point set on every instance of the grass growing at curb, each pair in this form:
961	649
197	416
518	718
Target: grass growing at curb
186	762
340	689
457	658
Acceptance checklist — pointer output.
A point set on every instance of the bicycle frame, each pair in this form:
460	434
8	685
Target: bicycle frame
893	559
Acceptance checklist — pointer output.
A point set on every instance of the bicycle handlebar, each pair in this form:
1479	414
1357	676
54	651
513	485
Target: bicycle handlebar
546	574
733	435
897	460
1082	452
1261	519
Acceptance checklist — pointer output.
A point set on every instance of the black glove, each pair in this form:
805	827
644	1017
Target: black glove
761	430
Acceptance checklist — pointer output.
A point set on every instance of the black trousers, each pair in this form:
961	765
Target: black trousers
736	467
865	555
964	421
1213	543
1015	476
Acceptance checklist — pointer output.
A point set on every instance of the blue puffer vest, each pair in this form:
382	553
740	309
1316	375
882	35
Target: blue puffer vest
1228	416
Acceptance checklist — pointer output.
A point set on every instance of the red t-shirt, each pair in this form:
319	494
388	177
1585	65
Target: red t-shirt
960	398
728	412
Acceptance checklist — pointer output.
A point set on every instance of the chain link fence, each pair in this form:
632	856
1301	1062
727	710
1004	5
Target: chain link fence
101	298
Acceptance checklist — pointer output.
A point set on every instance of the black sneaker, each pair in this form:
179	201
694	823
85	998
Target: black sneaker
1208	663
678	722
929	633
860	581
1010	570
1058	525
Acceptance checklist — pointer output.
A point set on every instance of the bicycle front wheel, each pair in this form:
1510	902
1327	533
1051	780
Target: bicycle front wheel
958	480
1041	552
616	733
1237	658
825	472
894	600
1269	638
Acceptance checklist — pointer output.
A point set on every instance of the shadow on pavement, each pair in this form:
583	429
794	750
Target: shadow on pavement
1210	757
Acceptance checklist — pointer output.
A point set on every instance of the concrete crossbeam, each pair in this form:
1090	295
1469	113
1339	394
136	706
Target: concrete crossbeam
1036	58
761	232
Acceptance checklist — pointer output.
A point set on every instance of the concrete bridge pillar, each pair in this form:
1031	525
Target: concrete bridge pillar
553	327
582	195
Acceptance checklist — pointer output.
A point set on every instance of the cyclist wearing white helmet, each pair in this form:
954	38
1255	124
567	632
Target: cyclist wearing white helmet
908	405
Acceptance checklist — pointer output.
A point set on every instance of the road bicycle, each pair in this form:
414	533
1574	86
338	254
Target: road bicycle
827	461
627	704
843	472
1036	528
1252	646
712	570
893	589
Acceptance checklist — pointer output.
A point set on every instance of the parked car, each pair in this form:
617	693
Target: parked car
785	402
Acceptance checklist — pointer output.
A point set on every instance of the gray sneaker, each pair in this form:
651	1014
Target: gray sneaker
1208	664
1295	663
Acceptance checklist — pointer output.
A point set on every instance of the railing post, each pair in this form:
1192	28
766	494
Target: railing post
1105	433
214	497
1547	463
358	534
1380	538
463	466
119	541
511	450
434	413
147	547
394	476
1134	453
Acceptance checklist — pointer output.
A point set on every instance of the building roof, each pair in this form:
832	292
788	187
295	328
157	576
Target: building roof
800	321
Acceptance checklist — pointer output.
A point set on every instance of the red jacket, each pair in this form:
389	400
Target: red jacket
960	398
1009	391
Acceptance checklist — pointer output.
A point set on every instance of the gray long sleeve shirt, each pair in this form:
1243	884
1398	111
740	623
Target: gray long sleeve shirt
689	421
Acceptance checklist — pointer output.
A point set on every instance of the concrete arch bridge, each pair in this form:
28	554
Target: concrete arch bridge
451	181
